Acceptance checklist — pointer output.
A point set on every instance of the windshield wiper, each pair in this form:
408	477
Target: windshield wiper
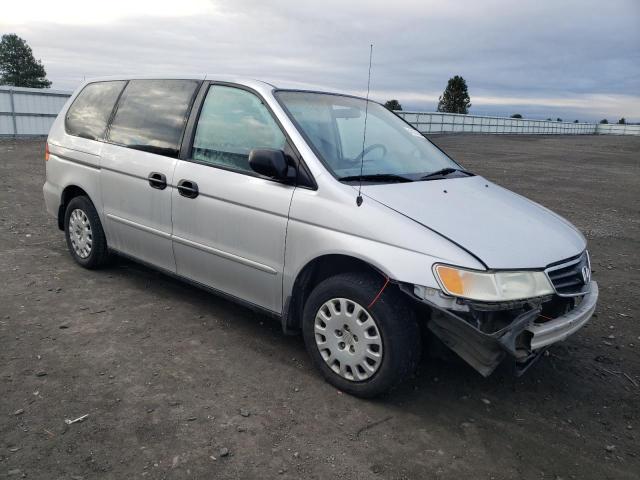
443	172
376	177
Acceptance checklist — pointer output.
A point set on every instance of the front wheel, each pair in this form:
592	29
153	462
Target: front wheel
363	342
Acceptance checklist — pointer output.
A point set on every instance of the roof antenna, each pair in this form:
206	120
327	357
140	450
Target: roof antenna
364	135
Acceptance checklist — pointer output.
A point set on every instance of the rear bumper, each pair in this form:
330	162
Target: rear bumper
524	339
51	198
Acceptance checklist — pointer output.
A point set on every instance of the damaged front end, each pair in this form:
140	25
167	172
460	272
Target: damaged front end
485	333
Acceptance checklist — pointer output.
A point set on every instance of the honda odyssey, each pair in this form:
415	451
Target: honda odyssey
326	211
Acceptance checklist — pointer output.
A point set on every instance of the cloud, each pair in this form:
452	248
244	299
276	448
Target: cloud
577	57
91	12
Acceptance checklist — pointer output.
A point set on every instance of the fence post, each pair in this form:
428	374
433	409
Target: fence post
13	113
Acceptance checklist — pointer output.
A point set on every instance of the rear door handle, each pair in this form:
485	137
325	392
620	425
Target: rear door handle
188	189
157	180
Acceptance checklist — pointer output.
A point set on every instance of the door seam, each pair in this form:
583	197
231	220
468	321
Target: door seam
170	184
284	253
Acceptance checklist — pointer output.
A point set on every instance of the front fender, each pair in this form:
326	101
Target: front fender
329	222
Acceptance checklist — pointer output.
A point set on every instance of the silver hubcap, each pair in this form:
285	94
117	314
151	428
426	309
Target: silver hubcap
348	339
80	233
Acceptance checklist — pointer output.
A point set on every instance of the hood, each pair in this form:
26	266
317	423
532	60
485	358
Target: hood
501	228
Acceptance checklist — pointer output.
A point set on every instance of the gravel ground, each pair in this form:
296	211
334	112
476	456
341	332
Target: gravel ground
178	383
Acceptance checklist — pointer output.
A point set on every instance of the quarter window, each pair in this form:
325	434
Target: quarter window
151	115
232	123
88	115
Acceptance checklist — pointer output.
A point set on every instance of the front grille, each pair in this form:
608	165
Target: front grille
571	278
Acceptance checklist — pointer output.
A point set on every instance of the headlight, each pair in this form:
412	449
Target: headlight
494	286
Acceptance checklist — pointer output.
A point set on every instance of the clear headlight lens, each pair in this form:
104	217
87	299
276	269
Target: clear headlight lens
494	286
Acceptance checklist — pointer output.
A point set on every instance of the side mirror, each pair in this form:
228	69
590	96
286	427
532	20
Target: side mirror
270	163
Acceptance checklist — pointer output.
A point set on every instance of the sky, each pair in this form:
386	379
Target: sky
543	58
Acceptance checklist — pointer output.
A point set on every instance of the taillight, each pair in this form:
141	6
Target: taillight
46	151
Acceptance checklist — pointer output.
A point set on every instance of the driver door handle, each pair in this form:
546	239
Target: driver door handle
188	188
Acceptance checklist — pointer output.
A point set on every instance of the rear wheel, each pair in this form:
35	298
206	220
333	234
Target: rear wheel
85	236
362	343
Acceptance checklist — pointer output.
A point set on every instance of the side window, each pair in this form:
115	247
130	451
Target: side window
232	123
90	111
151	115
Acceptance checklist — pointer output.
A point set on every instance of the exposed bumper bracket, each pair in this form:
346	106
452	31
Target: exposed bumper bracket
484	351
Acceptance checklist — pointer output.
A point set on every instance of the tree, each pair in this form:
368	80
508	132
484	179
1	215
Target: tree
558	119
622	121
393	105
549	120
516	115
604	120
455	98
18	67
576	121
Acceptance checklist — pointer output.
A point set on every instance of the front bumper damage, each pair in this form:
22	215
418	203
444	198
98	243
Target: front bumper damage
524	337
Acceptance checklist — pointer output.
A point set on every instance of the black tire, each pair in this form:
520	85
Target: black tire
99	253
395	320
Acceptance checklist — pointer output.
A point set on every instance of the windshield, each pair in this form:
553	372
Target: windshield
334	126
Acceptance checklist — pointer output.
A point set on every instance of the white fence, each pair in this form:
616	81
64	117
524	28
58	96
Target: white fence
617	129
432	122
26	112
30	112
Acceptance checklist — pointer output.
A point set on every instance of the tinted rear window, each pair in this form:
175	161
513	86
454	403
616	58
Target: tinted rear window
90	111
151	115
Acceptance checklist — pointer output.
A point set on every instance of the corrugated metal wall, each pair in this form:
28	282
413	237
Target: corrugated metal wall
29	111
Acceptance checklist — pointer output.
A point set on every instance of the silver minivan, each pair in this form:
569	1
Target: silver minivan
326	211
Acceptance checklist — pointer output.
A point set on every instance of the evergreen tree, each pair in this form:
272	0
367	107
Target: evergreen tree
18	67
455	98
393	105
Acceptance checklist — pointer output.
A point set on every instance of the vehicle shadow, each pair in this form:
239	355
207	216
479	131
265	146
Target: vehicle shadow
437	385
178	293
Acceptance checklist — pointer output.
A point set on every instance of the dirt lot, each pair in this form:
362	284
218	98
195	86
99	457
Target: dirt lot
173	378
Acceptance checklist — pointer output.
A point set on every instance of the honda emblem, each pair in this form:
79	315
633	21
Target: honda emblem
586	274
